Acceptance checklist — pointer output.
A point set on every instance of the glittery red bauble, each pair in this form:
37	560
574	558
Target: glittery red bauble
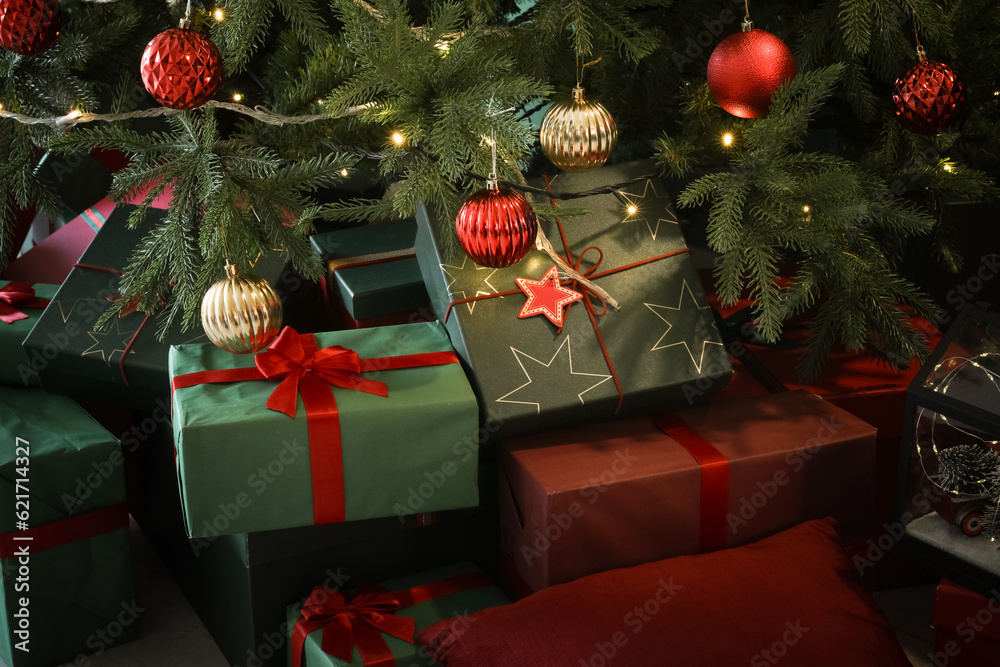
181	68
496	227
929	98
29	26
746	69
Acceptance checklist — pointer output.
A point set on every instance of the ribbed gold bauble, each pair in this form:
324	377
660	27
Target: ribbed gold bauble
241	313
578	134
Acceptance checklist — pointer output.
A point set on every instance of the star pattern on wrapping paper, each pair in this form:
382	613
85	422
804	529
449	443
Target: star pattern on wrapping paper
647	202
546	297
555	369
114	336
456	271
690	344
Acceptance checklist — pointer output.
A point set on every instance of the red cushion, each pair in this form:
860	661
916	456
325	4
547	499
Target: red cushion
794	594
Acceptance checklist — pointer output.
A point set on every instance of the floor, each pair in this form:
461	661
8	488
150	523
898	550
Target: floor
172	634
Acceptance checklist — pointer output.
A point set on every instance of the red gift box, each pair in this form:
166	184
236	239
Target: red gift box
51	260
587	499
967	627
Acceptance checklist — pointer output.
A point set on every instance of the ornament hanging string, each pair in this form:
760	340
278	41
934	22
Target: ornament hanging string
579	69
921	54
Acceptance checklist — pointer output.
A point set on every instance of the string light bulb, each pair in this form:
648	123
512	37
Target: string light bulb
219	14
343	172
948	167
237	98
398	138
632	209
727	139
74	113
805	209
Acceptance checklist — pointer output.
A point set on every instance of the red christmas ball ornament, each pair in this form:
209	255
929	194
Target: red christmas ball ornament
29	26
929	97
746	69
181	68
496	227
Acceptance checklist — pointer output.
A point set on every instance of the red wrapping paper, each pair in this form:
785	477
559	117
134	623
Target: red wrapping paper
583	500
968	618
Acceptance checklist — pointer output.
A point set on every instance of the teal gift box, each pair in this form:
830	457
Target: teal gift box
17	299
660	349
336	451
373	271
422	599
65	562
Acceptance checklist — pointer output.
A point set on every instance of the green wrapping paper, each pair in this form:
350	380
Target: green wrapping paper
71	357
382	287
79	594
424	613
244	468
662	343
15	367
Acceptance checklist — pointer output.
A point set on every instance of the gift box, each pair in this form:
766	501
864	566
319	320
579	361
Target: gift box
966	625
377	624
64	539
660	349
51	260
124	363
373	271
386	425
587	499
241	585
21	304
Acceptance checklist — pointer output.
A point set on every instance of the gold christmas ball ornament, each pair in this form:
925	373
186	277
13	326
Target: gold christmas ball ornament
241	313
578	134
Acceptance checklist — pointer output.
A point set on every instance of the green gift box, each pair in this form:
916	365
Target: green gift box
14	298
346	454
372	269
454	591
661	349
64	540
71	357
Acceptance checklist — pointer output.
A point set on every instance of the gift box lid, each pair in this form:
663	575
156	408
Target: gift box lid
369	283
72	464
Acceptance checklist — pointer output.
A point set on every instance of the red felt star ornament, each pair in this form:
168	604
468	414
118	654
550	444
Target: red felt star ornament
546	297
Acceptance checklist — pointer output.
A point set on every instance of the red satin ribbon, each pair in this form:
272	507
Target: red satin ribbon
714	479
65	531
21	295
356	620
305	370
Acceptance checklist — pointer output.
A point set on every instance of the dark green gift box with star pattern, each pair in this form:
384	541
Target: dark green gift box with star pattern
660	349
70	356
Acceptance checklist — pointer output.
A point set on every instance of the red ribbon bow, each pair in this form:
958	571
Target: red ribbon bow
22	294
352	620
310	372
304	368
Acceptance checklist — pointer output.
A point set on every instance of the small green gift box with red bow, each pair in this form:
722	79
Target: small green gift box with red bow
323	428
21	304
375	625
